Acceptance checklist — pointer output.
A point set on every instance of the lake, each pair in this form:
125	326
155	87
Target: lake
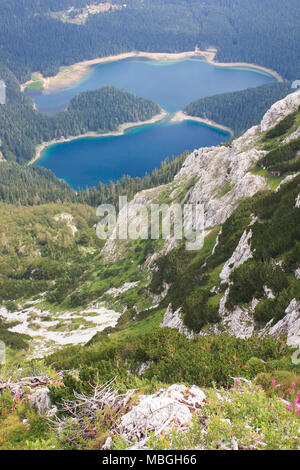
172	84
86	161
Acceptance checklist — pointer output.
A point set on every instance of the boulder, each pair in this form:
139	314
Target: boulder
40	400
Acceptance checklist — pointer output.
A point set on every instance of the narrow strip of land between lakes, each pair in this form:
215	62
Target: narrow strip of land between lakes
181	116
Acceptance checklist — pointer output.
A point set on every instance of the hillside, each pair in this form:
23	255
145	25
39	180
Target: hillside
223	320
239	110
237	29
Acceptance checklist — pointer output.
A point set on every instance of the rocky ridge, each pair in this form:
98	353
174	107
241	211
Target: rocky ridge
219	178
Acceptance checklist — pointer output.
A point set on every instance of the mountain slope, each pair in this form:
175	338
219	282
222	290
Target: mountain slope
153	321
235	186
242	278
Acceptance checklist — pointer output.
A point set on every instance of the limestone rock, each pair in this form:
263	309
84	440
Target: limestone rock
287	179
174	320
239	323
280	110
289	326
162	411
40	400
295	135
241	254
269	293
222	178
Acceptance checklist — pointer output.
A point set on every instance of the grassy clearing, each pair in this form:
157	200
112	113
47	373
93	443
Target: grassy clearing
36	83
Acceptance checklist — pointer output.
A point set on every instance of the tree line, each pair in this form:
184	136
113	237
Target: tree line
34	185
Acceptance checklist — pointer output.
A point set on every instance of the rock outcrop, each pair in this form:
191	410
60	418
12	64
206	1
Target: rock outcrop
174	320
40	400
169	408
240	255
289	326
280	110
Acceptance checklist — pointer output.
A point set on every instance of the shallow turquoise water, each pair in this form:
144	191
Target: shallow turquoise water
85	162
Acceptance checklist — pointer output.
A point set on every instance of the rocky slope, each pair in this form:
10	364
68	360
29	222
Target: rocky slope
153	313
199	291
220	178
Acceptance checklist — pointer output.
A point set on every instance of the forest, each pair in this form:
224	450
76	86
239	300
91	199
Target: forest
239	110
32	40
34	185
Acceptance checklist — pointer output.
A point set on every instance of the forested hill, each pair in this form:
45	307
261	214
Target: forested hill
22	128
239	110
28	185
34	38
105	109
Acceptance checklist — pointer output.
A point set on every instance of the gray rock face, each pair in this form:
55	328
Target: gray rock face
287	179
280	110
162	411
293	136
40	400
241	254
222	178
289	326
239	323
173	320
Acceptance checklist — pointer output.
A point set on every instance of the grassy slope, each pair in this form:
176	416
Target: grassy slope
31	238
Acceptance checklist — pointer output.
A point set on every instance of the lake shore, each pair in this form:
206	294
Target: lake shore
121	130
69	76
181	116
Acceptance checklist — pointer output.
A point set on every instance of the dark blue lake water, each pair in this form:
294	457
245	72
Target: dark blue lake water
86	161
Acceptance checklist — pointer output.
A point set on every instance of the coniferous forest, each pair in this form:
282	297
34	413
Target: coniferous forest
133	341
31	39
239	110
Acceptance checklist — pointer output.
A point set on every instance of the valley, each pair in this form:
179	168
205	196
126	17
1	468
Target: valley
159	80
149	235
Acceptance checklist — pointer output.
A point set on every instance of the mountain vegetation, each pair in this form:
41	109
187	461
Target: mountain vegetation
237	29
239	110
34	185
85	324
51	261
